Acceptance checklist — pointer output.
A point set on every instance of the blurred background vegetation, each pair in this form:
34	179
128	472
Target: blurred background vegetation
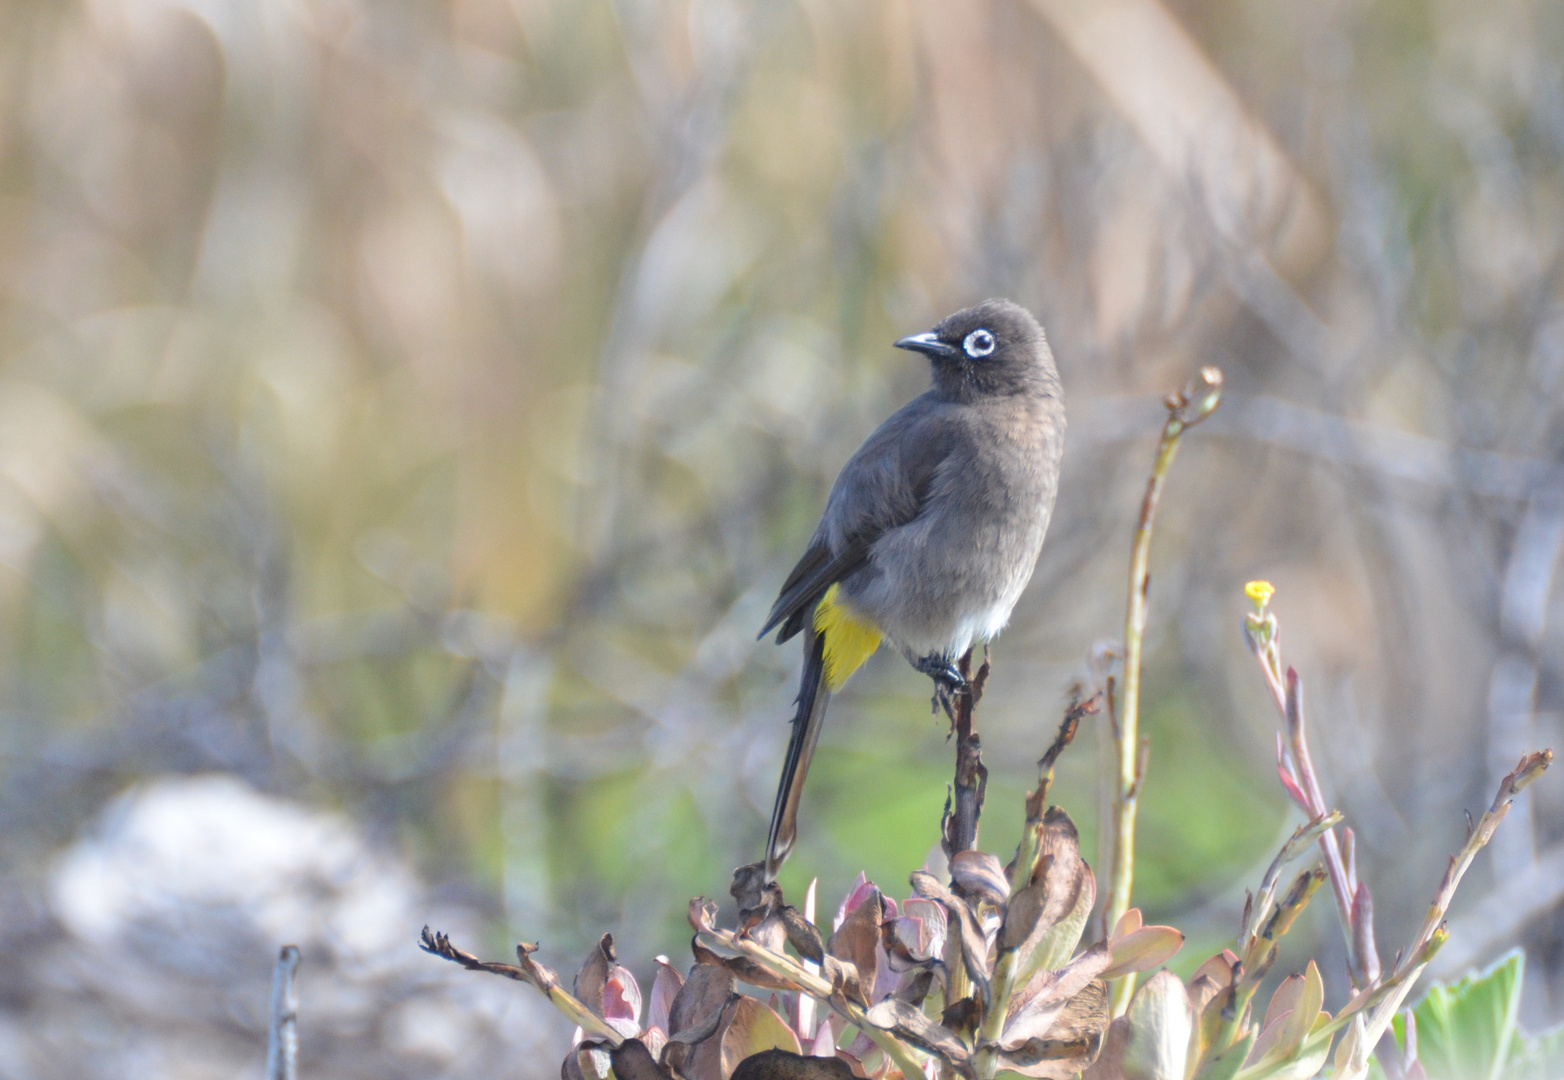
410	408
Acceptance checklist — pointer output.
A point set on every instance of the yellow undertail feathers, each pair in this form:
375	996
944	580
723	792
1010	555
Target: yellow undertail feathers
849	641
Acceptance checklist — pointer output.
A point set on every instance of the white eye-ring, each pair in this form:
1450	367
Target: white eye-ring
979	343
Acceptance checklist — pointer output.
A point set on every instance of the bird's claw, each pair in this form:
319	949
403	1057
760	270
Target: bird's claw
949	682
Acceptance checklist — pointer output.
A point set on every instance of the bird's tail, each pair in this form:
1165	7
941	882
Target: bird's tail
813	693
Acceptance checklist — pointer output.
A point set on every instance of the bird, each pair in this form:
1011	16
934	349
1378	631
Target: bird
931	530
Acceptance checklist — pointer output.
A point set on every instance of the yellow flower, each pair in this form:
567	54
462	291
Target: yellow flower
1260	592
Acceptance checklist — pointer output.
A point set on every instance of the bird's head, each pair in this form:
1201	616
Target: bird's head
990	349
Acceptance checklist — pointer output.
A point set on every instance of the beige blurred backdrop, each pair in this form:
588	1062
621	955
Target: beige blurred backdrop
408	410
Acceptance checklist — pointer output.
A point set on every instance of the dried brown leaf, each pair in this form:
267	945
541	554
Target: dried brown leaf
962	1016
1034	1010
1072	1040
587	1061
634	1060
699	1002
782	1065
858	936
1046	917
592	979
802	934
979	875
970	942
756	897
703	915
912	1025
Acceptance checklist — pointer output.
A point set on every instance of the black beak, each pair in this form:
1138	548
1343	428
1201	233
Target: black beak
927	344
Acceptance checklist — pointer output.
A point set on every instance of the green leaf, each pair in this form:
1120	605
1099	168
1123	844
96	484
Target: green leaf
1465	1029
1536	1059
1225	1066
1160	1021
752	1028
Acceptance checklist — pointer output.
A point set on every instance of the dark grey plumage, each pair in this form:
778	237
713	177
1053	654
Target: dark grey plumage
933	527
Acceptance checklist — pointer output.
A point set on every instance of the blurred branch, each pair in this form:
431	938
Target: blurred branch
1181	106
1185	409
282	1053
1399	455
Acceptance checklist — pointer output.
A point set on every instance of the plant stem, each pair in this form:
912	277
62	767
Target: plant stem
1185	410
283	1050
1387	997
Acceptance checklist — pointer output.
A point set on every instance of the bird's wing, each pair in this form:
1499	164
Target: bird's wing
882	487
816	572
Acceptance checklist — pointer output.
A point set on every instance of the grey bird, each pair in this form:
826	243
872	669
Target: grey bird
932	529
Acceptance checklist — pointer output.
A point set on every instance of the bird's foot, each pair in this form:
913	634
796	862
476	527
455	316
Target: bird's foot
949	682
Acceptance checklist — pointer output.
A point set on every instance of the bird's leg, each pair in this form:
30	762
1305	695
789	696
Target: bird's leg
949	682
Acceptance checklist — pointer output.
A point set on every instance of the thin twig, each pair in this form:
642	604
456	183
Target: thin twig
1185	410
282	1052
529	971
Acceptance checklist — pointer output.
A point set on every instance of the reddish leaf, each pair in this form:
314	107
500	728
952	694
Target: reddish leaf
862	889
664	989
622	1001
921	929
1128	923
1143	949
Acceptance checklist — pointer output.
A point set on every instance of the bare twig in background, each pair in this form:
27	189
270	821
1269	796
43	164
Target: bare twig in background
282	1051
1185	409
1180	105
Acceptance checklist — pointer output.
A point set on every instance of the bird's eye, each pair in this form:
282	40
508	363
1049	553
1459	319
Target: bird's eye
979	343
